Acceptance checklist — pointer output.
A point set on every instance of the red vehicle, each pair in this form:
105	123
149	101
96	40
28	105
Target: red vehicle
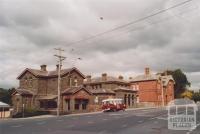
113	105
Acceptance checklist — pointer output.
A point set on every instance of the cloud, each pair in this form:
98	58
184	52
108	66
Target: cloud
31	29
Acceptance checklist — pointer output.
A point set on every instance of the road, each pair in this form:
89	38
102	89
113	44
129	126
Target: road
143	121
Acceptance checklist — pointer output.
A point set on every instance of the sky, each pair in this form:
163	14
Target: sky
31	29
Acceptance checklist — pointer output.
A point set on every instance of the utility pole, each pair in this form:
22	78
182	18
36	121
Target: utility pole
60	59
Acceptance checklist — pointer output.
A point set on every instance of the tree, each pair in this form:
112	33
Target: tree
6	95
187	94
196	96
181	81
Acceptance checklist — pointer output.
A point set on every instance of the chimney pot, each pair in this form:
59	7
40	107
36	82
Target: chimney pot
88	78
121	77
43	67
147	71
104	76
57	67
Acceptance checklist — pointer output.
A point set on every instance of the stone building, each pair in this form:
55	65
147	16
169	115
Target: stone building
105	87
38	90
153	88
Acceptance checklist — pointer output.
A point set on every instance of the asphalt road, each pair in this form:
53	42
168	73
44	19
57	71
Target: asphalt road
148	121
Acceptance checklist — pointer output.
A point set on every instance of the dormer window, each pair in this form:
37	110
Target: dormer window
25	78
75	82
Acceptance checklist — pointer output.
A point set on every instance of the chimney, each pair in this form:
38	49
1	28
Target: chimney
121	77
147	71
165	73
57	67
43	67
88	78
130	78
104	76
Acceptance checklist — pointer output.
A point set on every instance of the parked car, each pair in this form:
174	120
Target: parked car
113	105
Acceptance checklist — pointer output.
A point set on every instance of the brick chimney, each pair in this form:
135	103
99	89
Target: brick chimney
104	77
121	77
88	78
43	67
147	71
165	73
57	66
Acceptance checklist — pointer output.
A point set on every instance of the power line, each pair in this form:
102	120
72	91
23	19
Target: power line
130	23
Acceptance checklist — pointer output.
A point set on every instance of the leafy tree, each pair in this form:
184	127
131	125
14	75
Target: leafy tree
196	96
6	95
181	81
187	94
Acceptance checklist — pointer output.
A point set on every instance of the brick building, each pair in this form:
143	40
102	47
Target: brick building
38	90
111	87
151	86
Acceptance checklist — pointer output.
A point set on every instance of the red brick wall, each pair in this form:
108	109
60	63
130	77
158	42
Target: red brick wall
148	91
151	92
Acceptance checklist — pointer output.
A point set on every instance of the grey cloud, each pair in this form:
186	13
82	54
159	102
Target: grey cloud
30	29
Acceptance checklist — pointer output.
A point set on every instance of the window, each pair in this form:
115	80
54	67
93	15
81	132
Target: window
76	105
48	104
52	104
25	78
137	87
75	82
133	86
42	104
84	104
30	82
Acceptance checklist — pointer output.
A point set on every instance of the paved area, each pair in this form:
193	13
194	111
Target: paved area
142	121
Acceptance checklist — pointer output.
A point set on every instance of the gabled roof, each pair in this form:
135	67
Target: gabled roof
102	91
73	90
40	73
166	79
22	92
145	78
124	89
48	97
108	80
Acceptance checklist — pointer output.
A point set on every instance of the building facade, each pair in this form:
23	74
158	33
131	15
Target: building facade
153	89
105	87
38	90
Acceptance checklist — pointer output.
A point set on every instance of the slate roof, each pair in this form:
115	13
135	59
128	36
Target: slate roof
165	79
145	77
23	92
73	90
40	73
108	79
48	97
124	89
102	91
